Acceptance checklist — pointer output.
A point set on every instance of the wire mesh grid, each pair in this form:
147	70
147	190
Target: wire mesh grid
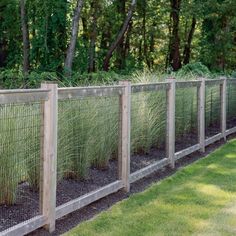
148	128
20	135
186	118
87	146
231	104
212	110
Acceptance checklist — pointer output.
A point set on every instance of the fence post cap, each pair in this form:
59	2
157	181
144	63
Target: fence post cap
49	82
201	78
223	77
171	80
124	82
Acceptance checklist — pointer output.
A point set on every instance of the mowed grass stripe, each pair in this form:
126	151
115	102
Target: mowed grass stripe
198	200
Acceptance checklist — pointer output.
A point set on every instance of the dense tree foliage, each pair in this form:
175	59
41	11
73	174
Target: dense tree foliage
93	35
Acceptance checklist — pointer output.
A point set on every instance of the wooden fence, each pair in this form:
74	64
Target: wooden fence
50	94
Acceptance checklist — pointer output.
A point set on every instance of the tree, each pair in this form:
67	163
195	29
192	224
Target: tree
174	54
187	48
119	37
120	50
25	34
74	34
93	35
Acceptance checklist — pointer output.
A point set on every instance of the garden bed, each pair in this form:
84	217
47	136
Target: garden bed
72	220
27	201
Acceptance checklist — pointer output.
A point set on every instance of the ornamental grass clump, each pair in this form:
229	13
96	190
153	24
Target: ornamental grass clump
10	156
88	135
212	106
33	138
20	149
186	111
147	121
231	101
88	131
74	134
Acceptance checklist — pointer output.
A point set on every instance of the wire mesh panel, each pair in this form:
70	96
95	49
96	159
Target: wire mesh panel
20	136
87	146
148	128
186	118
212	110
231	104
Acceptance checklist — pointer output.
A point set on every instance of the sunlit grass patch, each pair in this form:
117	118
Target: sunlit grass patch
198	200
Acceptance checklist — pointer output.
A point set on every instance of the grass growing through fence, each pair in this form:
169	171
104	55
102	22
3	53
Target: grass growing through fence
19	148
88	131
88	135
231	104
198	200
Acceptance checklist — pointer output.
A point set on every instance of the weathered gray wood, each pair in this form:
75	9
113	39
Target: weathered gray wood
87	199
230	131
22	96
48	204
25	227
187	151
213	139
18	91
187	84
136	88
95	91
223	92
201	114
231	80
170	133
41	174
148	170
213	81
124	143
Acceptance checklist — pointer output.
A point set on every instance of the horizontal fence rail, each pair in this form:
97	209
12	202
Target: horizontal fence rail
186	84
137	88
96	91
49	95
23	96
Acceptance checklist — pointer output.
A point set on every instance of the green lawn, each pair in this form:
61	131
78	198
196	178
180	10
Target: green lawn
198	200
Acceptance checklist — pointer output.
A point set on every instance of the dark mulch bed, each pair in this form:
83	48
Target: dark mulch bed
68	222
27	205
231	123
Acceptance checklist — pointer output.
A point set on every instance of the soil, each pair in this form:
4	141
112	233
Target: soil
27	203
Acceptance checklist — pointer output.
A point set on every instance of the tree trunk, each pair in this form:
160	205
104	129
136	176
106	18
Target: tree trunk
174	58
187	48
25	34
120	58
74	33
93	36
3	53
127	40
119	36
145	43
152	48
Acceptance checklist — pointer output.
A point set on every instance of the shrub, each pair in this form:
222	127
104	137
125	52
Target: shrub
197	69
233	74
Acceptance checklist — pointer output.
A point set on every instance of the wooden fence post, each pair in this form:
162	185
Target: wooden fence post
201	114
170	134
223	88
124	135
49	157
